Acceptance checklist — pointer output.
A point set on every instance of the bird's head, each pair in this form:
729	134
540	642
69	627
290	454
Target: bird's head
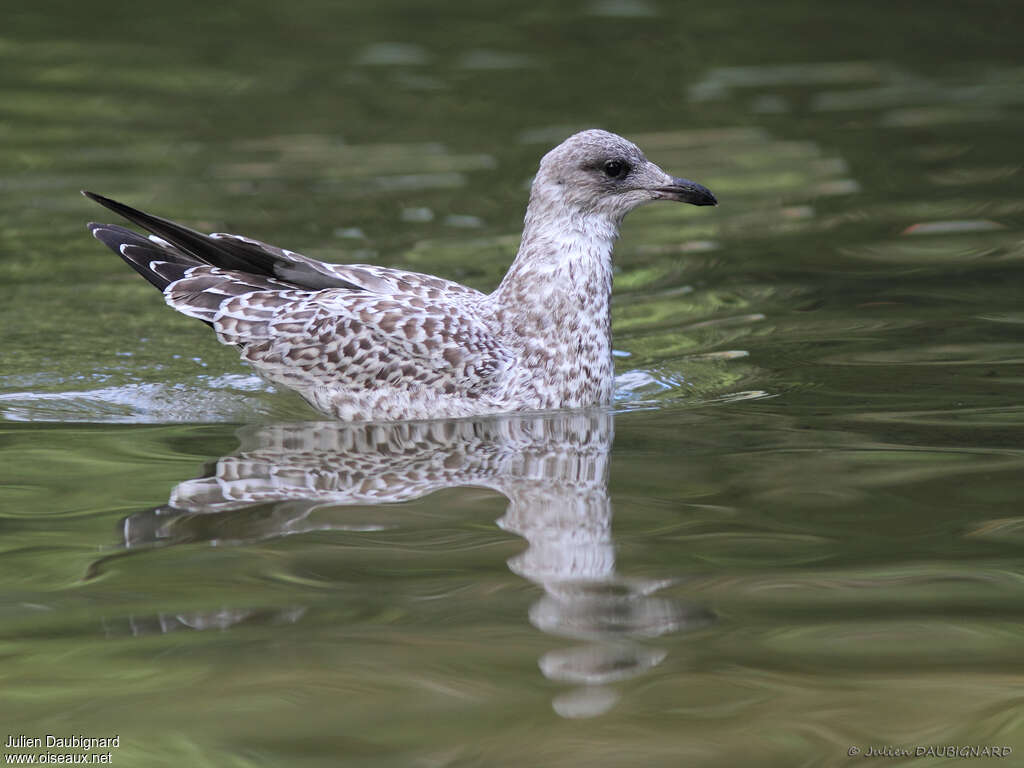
597	172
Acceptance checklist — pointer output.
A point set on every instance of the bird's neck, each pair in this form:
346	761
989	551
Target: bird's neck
554	302
563	267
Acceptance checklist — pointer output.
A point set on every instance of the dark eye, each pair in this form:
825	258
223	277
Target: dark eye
615	169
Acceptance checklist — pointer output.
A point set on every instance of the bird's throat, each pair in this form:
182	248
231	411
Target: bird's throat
554	308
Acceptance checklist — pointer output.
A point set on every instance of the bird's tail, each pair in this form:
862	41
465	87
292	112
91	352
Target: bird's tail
156	260
227	252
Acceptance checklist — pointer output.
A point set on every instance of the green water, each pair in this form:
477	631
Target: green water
798	531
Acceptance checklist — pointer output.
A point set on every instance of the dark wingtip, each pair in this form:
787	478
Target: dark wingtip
106	202
113	236
96	229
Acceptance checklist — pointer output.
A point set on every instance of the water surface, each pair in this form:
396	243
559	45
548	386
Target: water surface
797	530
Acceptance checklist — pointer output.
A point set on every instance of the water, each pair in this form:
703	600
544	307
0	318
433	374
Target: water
797	532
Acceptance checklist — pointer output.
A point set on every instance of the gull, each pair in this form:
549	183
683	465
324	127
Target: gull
368	343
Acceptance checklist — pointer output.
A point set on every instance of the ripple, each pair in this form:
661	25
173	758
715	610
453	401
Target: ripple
973	246
1008	529
920	92
896	641
623	9
485	59
588	701
389	54
218	619
324	156
744	548
916	117
952	227
962	417
981	353
599	665
719	81
225	398
705	381
1014	318
958	177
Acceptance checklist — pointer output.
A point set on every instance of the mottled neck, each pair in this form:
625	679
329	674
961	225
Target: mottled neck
553	307
564	263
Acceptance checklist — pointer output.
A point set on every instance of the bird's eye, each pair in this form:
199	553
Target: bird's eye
615	169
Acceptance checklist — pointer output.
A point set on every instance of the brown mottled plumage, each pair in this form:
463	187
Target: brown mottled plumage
362	342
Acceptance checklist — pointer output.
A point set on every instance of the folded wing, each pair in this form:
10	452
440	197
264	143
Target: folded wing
310	325
356	341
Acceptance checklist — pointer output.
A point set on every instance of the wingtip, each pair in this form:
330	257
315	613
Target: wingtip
105	233
96	198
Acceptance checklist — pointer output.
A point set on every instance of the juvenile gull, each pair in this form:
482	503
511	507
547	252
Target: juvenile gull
362	342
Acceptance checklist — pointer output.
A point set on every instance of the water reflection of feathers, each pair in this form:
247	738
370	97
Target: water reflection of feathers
552	468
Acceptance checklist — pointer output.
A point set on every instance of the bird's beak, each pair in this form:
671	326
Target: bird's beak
685	191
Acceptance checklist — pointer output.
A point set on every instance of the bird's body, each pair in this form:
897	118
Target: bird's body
362	342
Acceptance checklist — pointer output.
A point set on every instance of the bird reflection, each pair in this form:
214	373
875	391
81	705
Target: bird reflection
552	468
